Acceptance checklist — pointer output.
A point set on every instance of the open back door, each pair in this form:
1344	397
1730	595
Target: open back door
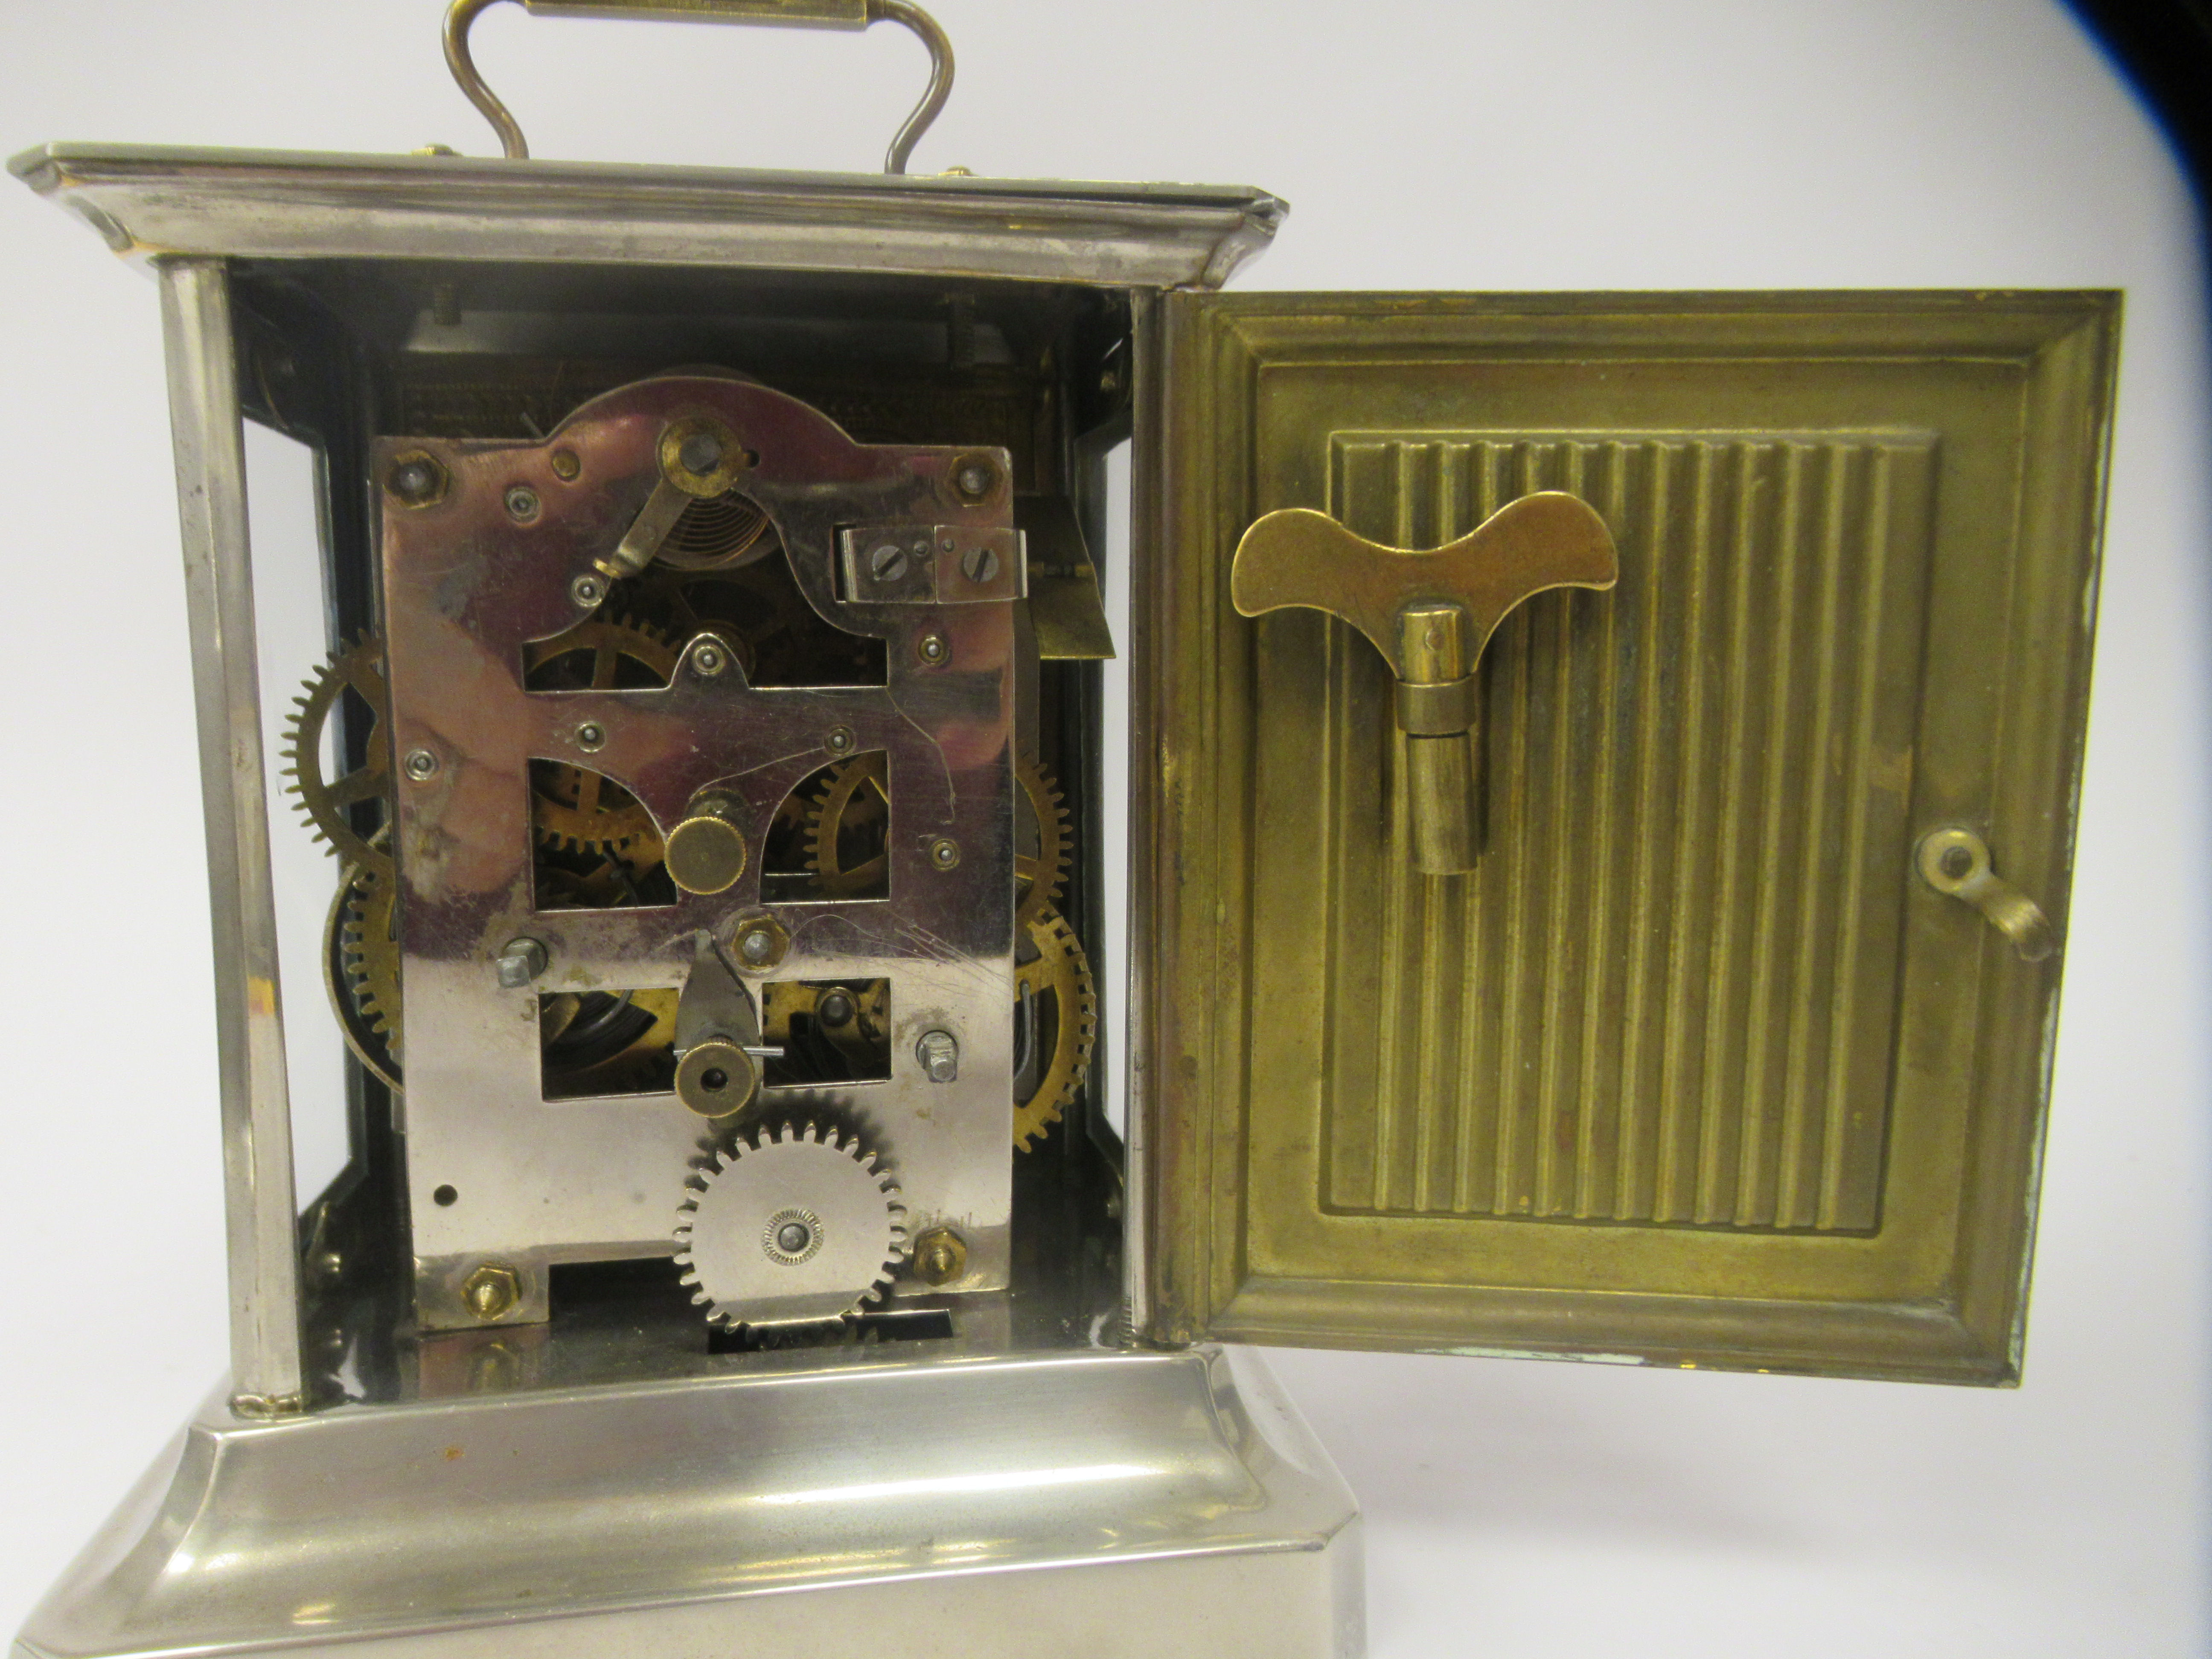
1732	1047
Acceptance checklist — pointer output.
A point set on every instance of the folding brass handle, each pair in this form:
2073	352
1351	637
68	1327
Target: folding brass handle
806	13
1958	862
1429	614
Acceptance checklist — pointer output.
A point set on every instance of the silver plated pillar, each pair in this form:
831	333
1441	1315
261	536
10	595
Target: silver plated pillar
257	1124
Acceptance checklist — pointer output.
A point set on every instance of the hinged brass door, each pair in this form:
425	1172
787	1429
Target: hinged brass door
1732	1047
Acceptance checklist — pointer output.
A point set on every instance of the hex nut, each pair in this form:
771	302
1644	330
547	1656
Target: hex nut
491	1290
939	1055
940	1255
759	944
520	961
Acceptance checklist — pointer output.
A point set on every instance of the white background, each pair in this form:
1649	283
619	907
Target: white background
1513	1509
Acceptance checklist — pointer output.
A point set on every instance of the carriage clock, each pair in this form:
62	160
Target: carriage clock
1604	768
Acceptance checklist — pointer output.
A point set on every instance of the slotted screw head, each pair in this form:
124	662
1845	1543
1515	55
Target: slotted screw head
888	562
980	564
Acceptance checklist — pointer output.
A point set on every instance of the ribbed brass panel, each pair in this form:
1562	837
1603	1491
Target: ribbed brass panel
1668	994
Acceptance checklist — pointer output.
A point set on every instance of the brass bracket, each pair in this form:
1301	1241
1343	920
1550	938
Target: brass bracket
1429	613
1957	862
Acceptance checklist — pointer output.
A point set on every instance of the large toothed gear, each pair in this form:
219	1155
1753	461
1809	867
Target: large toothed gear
328	802
796	1226
572	806
857	797
361	969
1059	1006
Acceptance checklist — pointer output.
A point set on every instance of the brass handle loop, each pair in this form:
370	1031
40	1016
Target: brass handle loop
461	16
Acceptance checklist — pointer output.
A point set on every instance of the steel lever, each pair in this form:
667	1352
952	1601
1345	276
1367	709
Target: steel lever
1429	614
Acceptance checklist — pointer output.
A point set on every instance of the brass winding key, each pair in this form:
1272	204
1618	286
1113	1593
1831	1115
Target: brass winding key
1429	613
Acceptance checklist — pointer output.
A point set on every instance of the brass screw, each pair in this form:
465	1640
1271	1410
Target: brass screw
887	563
980	564
566	466
521	503
588	592
421	765
940	1255
945	853
934	649
492	1290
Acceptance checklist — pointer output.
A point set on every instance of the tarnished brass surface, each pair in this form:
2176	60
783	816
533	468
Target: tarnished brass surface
1429	614
1297	556
1694	1068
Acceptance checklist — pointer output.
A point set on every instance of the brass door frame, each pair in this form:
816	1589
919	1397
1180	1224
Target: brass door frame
1191	1209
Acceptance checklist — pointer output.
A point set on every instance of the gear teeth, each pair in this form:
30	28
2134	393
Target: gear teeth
719	1160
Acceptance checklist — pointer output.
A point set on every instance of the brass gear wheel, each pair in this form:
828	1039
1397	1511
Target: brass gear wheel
326	801
361	969
1057	968
1039	876
572	805
857	798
